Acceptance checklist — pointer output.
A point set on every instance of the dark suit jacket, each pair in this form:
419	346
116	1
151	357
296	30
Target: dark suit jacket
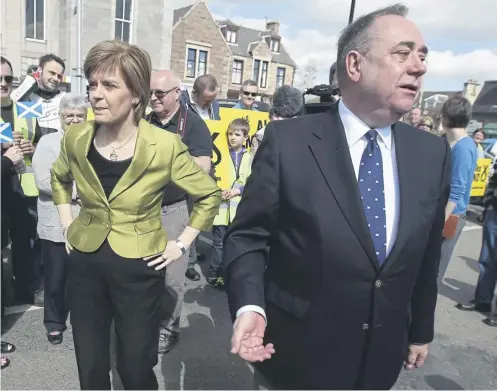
335	318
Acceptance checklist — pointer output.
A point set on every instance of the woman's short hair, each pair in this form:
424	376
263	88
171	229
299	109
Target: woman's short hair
73	101
132	61
239	124
287	102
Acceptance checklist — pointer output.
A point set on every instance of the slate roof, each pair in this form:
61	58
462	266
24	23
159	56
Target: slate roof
428	94
486	101
180	12
248	38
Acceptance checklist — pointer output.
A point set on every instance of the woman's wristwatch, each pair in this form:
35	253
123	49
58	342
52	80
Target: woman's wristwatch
181	246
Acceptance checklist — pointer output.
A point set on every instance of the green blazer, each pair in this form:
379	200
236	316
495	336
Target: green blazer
130	219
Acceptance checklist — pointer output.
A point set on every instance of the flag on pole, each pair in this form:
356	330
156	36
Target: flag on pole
6	135
29	109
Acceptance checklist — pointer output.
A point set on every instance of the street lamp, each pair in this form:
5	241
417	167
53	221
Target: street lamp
352	8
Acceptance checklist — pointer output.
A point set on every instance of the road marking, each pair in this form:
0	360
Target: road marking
205	240
16	309
471	228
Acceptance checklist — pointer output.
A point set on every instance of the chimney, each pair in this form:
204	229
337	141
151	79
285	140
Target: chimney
273	26
471	90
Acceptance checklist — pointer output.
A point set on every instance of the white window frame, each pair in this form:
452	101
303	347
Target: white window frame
123	21
232	71
275	45
231	36
197	49
259	76
34	39
267	74
284	76
253	69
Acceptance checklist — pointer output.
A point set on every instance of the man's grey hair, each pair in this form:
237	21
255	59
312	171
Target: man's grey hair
205	83
248	83
73	101
357	35
287	102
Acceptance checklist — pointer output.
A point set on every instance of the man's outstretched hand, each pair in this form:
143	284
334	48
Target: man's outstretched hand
248	335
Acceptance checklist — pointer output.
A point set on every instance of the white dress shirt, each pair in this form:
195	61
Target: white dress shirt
355	131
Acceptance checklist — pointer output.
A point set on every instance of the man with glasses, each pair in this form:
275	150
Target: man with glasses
248	93
169	114
22	207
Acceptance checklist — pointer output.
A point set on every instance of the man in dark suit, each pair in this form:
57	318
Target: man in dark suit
351	203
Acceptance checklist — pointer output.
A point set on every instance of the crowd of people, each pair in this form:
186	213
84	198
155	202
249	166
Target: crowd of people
330	243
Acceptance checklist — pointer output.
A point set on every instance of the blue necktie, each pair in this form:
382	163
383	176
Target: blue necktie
372	194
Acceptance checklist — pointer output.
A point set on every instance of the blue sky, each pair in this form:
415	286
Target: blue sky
460	48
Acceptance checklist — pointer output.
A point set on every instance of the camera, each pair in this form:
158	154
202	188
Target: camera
327	94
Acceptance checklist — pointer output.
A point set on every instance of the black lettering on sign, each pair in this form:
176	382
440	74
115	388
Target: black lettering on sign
249	142
477	174
261	124
484	174
215	149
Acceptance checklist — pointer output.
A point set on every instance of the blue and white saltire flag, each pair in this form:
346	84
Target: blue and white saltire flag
6	135
29	109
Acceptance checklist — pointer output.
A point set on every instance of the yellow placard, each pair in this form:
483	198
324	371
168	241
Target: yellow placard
221	156
480	178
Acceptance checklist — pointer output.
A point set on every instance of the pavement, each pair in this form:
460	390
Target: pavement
463	355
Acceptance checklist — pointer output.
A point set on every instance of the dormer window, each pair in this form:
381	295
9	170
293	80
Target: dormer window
275	45
230	36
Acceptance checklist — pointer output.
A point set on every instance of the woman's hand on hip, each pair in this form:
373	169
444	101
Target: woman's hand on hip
69	248
170	254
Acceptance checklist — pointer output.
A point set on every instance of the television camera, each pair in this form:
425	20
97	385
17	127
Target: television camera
327	94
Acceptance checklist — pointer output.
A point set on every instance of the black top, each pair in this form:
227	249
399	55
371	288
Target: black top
195	135
108	172
7	115
6	200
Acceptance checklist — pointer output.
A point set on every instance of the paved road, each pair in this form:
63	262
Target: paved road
464	355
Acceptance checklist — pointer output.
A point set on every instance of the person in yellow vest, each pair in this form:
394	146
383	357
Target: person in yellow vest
22	228
237	134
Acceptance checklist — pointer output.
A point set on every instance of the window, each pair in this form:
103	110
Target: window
190	63
35	19
265	66
280	77
275	45
257	70
196	63
202	63
260	72
123	20
237	72
231	36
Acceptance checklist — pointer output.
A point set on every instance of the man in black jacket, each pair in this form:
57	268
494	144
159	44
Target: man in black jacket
351	203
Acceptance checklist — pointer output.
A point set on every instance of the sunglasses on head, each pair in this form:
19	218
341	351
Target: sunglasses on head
427	125
8	79
246	93
161	93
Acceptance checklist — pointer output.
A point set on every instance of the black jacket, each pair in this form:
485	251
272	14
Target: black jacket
337	321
